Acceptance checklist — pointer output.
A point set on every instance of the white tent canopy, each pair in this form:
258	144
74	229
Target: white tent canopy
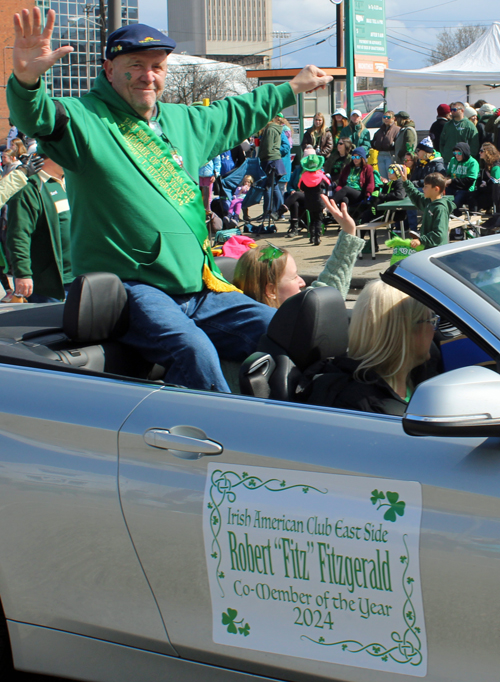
468	76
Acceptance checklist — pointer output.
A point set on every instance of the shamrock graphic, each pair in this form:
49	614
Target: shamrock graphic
396	506
229	619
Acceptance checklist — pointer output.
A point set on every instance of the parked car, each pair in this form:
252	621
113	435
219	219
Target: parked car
367	100
153	532
373	120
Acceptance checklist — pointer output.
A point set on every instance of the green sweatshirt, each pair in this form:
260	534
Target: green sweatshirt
120	222
463	169
270	143
436	216
453	132
358	134
37	239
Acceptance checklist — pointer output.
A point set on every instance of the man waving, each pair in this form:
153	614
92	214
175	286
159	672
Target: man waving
137	211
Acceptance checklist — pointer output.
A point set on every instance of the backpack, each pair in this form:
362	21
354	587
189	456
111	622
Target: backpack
227	163
223	235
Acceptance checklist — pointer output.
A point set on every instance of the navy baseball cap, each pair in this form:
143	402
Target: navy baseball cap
135	37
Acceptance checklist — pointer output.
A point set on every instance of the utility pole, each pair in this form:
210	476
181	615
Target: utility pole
340	34
280	35
87	9
345	46
349	54
114	15
102	27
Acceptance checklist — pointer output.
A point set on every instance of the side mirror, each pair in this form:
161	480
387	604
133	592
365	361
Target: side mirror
463	402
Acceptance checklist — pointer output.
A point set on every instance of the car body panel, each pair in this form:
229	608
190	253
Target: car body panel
67	559
163	495
52	652
102	548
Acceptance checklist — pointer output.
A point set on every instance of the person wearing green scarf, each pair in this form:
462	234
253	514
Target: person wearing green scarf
130	161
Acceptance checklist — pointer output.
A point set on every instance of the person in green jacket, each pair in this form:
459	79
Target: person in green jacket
38	237
463	171
356	131
459	129
130	161
272	164
436	209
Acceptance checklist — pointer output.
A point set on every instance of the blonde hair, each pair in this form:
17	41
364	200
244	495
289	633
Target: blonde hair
17	147
323	127
382	330
253	275
249	179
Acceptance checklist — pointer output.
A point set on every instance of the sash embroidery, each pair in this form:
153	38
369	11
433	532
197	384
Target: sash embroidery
152	158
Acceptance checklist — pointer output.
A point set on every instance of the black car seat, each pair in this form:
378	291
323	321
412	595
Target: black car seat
308	327
95	316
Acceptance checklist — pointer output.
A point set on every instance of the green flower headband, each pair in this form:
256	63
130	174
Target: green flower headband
270	253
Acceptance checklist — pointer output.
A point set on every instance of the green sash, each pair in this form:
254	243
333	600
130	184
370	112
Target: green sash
153	158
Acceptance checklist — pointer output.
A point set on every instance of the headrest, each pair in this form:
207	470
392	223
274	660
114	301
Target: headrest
96	308
311	326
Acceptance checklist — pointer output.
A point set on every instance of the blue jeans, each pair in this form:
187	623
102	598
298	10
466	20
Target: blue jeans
384	160
189	332
272	194
462	196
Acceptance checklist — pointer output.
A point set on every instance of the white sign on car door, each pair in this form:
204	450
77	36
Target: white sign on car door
321	566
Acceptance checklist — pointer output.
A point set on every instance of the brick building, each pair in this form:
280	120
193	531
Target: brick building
7	11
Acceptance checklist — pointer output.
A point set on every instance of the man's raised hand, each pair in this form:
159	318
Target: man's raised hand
32	54
309	79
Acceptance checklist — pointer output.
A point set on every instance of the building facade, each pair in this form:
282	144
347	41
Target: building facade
239	31
7	10
78	25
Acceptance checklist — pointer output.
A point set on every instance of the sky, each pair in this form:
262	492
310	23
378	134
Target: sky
411	28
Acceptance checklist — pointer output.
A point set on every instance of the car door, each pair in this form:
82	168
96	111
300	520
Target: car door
256	542
66	559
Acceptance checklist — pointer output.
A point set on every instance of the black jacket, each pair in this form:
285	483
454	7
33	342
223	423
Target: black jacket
424	168
436	130
331	383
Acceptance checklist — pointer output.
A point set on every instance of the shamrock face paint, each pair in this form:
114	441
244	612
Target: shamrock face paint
128	75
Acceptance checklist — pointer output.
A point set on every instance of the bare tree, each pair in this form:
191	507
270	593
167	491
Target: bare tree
451	41
188	83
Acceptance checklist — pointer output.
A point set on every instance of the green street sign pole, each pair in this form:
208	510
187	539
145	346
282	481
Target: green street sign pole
349	53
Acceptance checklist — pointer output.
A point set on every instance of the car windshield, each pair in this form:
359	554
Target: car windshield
479	268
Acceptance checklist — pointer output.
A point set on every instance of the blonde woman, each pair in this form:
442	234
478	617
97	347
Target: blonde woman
390	335
318	136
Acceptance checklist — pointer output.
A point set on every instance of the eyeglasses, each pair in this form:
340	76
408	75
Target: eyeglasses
270	253
343	143
434	320
481	151
457	153
456	109
355	156
386	116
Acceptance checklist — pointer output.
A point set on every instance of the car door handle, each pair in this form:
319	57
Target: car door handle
187	442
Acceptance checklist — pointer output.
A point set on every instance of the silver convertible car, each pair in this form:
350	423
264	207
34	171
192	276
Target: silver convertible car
149	532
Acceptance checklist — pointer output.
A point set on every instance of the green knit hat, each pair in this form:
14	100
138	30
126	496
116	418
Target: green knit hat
313	162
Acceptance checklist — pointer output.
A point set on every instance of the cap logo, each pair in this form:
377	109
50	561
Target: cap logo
116	48
150	40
